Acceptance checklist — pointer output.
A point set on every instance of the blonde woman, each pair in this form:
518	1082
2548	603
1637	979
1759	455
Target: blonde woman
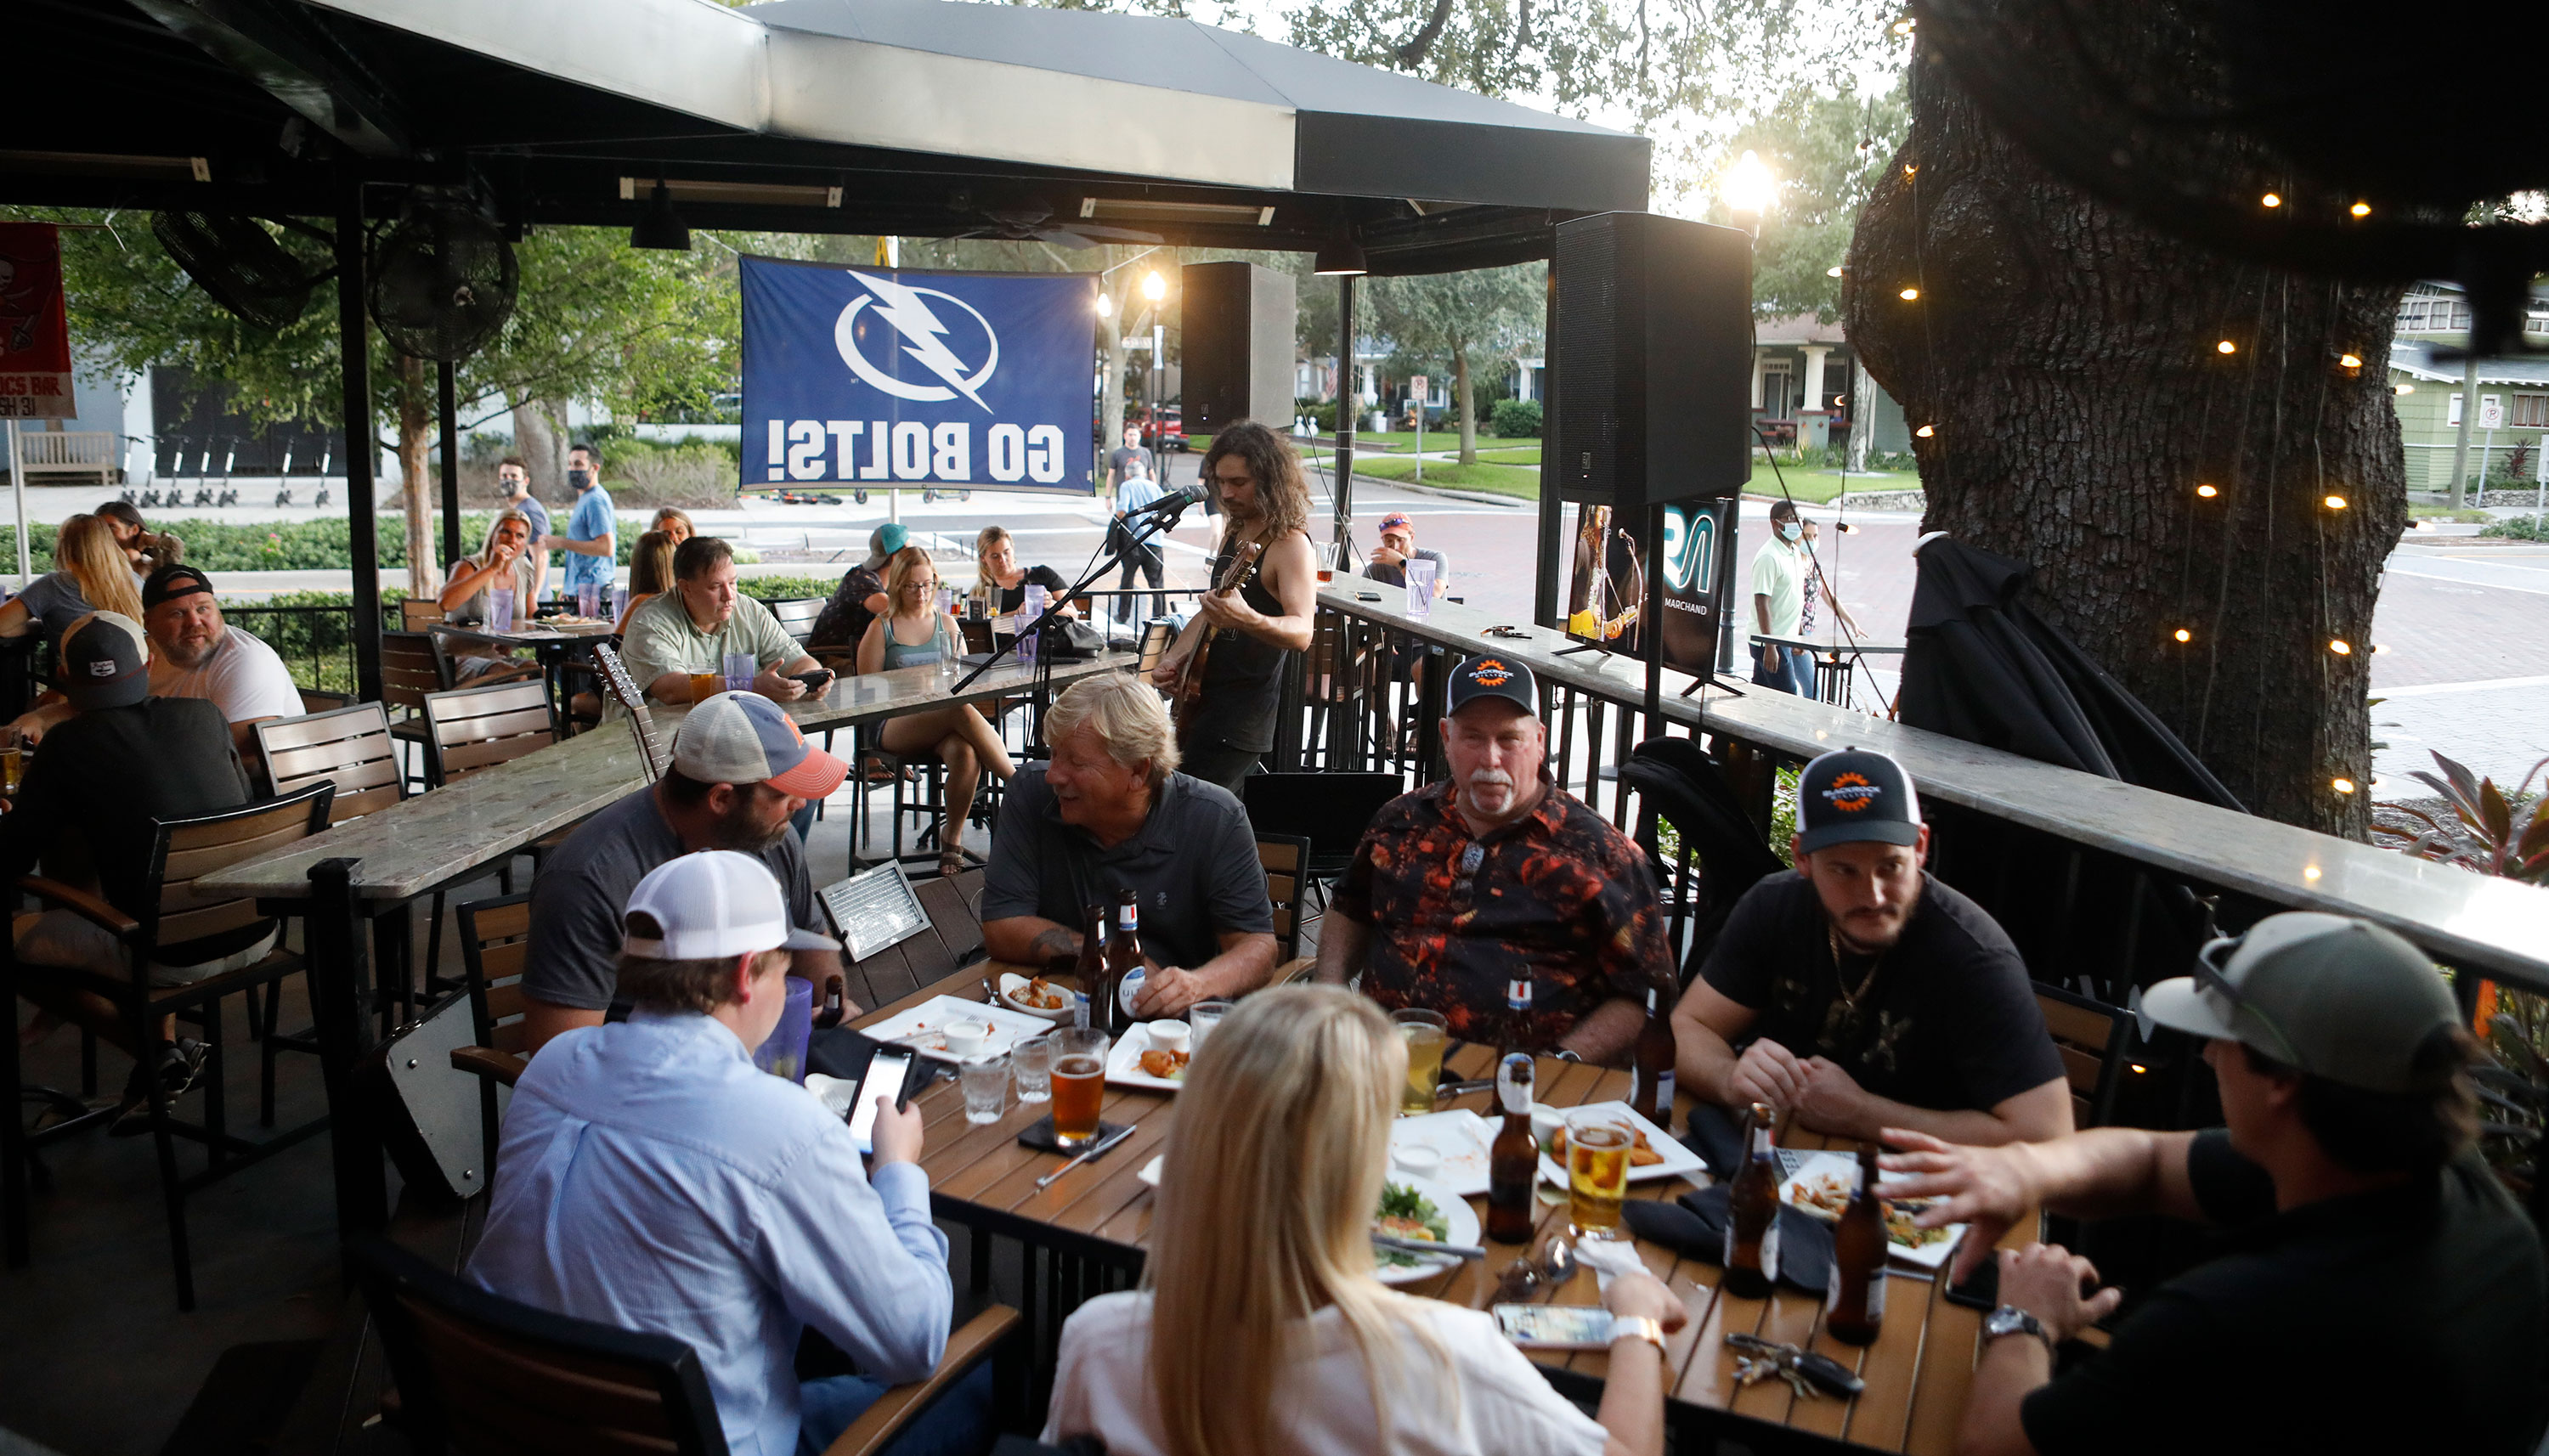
1259	1328
676	525
90	574
910	633
1006	583
650	573
503	563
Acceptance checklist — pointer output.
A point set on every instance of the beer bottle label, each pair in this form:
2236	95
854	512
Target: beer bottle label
1665	1093
1512	1082
1769	1250
1128	915
1875	1292
1518	994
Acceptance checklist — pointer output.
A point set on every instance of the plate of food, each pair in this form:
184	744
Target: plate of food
1036	996
1822	1186
1151	1054
1460	1141
952	1029
1657	1154
1424	1209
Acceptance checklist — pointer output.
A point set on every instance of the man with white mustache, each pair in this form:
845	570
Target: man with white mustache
1496	897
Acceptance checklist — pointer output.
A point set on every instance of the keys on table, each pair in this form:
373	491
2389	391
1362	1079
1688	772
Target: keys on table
1805	1371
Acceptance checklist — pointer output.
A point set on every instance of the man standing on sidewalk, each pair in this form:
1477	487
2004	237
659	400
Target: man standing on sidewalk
1778	604
591	542
514	478
1133	491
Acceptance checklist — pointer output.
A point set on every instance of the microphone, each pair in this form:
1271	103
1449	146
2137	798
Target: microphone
1169	503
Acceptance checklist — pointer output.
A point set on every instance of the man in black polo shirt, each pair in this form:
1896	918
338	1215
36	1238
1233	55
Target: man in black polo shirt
2377	1291
1865	994
1112	813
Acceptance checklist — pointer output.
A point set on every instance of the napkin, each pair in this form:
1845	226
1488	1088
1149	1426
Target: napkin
1717	1137
1694	1227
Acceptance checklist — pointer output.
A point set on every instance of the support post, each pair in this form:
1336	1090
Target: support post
1348	405
362	446
2469	417
446	389
1652	630
1545	582
18	489
339	1002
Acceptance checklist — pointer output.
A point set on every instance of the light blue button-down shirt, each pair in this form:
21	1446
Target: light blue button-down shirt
653	1178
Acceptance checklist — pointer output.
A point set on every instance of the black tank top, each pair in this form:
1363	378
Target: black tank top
1243	679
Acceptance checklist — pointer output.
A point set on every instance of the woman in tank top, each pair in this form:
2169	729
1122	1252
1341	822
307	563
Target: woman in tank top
912	633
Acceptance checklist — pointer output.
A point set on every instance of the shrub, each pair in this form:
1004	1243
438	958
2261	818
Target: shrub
1322	414
2519	528
786	588
1516	418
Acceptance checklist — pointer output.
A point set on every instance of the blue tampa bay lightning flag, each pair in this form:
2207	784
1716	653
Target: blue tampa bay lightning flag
898	376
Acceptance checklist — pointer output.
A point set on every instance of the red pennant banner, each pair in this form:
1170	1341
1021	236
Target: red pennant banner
34	332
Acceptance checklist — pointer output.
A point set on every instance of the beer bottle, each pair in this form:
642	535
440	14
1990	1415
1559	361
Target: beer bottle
1091	968
1651	1091
1513	1160
1123	957
1855	1299
1752	1212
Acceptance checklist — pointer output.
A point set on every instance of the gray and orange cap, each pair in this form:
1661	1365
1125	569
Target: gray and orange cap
103	661
1855	795
745	737
1491	676
2330	995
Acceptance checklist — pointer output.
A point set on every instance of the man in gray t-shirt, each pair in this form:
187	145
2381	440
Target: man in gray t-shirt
740	769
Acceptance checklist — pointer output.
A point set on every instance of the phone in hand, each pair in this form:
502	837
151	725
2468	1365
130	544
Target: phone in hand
1556	1326
886	1073
815	682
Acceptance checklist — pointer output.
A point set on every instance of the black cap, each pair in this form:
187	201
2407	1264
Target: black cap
1855	795
1491	676
172	582
103	665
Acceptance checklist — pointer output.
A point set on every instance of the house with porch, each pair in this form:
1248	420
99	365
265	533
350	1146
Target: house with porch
1808	387
2428	379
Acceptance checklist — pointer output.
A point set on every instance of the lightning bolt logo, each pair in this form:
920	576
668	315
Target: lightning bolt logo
906	309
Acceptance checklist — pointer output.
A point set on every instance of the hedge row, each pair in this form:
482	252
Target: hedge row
290	546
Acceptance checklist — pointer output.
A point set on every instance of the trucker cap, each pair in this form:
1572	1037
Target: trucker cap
104	663
712	905
1855	795
745	737
2330	996
1493	676
893	536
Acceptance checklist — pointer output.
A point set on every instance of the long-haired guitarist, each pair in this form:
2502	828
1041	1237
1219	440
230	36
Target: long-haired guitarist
1267	592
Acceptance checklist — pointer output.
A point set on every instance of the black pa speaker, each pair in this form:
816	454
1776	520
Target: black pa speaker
1653	360
1237	347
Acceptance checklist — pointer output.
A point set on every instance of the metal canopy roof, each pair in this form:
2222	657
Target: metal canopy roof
923	118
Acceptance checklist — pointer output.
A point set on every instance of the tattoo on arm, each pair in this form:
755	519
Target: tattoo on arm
1058	944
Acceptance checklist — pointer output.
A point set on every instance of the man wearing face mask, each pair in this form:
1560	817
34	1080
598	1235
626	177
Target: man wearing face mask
1778	604
591	542
1499	899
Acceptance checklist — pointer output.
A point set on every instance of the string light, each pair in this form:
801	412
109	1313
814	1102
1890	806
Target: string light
1926	432
1908	169
2341	786
2379	648
1105	306
2340	646
2360	209
2336	503
1832	272
2403	389
1905	26
2272	201
2228	347
2183	635
1910	294
2207	492
2310	871
2348	361
2138	1069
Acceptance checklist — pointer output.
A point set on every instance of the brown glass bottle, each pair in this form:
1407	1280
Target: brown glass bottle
1752	1212
1854	1300
1650	1091
1513	1160
1091	968
1123	957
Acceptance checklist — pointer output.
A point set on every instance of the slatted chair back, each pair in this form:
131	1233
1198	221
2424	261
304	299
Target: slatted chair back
2090	1035
410	669
320	701
795	615
495	945
417	614
479	1373
474	728
184	851
624	691
1287	860
349	747
977	633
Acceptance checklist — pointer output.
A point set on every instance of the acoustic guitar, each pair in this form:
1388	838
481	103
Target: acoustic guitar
1190	687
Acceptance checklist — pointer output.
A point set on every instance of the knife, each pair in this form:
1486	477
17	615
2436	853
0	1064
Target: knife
1463	1089
1090	1154
1422	1246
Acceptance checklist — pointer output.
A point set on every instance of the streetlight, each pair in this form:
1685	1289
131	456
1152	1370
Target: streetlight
1749	187
1154	288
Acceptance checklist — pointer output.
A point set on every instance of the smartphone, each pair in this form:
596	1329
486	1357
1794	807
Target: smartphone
1556	1326
1367	597
1979	1290
887	1072
815	682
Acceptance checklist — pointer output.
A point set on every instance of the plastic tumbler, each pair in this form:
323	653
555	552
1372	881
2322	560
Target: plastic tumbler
1031	1062
588	600
985	1080
784	1054
1420	588
738	671
500	610
619	602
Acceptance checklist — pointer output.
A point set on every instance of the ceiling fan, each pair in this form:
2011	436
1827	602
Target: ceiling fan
1033	222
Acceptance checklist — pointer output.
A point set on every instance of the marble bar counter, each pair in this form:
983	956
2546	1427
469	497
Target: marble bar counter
2491	926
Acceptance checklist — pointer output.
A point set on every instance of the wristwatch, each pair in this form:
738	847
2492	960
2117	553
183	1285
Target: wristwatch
2011	1320
1637	1327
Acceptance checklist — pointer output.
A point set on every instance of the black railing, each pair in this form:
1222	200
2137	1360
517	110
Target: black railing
316	643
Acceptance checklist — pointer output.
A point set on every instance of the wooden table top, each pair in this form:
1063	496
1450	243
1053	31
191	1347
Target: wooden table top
1917	1372
536	634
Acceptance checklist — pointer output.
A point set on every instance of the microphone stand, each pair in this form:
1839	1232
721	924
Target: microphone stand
1048	627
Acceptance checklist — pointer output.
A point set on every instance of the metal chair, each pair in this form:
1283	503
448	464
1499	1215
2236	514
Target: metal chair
2091	1037
411	668
472	728
495	943
1287	860
796	616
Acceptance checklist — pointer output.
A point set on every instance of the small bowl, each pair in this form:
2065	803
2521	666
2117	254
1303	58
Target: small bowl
1545	1122
967	1038
1416	1159
1169	1035
1015	985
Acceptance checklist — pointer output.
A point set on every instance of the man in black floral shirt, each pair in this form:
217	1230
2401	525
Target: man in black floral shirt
1497	898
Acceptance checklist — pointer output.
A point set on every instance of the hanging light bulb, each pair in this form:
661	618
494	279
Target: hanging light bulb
2404	389
1105	306
2341	786
1905	26
2335	502
1926	432
2348	361
1908	169
2340	646
1910	294
1832	272
2228	347
2183	635
2272	201
2207	492
2360	209
2379	648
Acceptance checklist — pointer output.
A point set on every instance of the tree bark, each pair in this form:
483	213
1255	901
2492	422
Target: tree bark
416	426
1468	405
539	437
2068	358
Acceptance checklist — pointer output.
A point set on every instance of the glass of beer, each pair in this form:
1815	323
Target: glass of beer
13	757
1425	1032
1598	1143
1078	1082
1327	551
705	686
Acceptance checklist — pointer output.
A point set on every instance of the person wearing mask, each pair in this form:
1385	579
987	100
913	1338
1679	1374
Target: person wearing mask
1111	812
591	542
1497	898
1858	993
1778	604
90	574
514	479
740	772
674	523
195	653
656	1180
1389	563
1135	492
1260	1329
2373	1284
502	563
999	575
915	633
843	623
702	620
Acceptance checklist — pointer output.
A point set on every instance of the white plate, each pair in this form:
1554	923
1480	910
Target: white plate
1124	1061
1151	1171
1012	984
1461	1222
1679	1161
1009	1027
836	1093
1462	1136
1842	1172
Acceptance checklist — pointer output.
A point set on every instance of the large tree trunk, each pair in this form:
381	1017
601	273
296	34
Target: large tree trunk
416	426
539	437
1468	405
2068	360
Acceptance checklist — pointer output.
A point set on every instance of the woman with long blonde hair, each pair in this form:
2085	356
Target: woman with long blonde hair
912	632
90	574
1260	1329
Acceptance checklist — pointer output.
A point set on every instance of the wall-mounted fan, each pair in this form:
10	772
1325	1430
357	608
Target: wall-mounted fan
240	264
443	278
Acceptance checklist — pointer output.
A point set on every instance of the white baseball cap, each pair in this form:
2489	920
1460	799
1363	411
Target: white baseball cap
715	904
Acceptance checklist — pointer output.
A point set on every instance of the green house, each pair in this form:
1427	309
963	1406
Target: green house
2512	408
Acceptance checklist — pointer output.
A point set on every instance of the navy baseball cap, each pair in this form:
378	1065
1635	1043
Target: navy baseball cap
1491	676
103	663
1855	796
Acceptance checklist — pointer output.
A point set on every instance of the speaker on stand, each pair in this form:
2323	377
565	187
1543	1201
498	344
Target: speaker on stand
1236	352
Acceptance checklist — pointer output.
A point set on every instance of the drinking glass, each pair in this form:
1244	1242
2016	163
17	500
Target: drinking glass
1420	588
588	600
738	671
1425	1032
1327	551
13	757
1032	1061
1598	1143
985	1080
500	610
782	1053
1203	1016
619	602
706	685
1078	1083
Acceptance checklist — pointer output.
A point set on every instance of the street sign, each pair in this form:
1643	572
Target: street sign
1416	389
2491	412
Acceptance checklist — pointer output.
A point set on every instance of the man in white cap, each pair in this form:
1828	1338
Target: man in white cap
740	771
655	1179
2378	1289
